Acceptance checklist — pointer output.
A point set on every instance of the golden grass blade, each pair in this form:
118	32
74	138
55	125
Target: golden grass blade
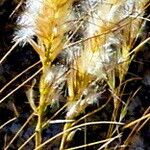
44	125
40	52
75	127
136	121
19	131
136	49
19	75
12	48
6	123
30	78
108	142
17	7
136	127
30	95
95	143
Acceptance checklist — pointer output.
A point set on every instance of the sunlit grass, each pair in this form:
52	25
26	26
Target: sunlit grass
97	61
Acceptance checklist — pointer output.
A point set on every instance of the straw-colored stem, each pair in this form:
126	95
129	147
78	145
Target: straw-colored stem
38	137
65	135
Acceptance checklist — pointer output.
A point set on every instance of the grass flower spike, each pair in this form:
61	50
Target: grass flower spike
45	19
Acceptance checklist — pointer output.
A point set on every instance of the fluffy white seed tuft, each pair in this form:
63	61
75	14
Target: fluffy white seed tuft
27	21
56	76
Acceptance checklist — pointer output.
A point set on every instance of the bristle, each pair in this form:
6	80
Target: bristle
27	21
56	75
42	18
89	96
103	53
51	20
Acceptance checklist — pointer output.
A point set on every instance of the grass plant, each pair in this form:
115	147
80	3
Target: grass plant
79	70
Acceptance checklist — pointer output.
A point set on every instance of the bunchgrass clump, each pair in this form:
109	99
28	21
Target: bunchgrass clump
85	48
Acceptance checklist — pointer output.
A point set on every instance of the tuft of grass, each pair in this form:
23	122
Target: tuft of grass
80	69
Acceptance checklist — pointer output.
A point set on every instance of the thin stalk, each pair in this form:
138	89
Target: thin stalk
93	143
12	48
30	78
6	123
65	135
38	136
76	127
19	131
44	125
19	75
